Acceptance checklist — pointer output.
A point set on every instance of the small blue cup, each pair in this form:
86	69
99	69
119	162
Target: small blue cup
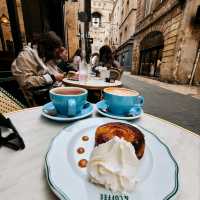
122	101
68	101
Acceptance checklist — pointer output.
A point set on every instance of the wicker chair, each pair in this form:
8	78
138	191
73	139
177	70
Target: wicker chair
8	103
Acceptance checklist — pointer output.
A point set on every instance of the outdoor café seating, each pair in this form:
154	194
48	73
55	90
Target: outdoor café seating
55	143
92	105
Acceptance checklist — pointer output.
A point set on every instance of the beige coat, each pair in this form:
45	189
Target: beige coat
29	69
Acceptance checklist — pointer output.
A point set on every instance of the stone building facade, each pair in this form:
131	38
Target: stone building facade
100	25
123	20
166	40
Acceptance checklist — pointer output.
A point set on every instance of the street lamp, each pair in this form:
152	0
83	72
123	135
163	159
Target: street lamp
85	17
4	19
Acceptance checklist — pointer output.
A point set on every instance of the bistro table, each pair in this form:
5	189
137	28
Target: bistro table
22	175
94	86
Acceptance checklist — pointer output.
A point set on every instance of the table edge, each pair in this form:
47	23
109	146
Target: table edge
90	87
161	119
176	125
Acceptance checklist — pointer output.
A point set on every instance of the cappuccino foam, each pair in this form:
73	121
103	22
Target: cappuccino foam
121	91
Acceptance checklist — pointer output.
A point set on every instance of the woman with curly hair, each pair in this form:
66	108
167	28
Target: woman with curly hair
106	58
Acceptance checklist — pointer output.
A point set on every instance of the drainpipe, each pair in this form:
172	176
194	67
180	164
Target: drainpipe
195	66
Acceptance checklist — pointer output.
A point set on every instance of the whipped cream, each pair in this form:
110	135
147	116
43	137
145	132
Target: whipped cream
114	164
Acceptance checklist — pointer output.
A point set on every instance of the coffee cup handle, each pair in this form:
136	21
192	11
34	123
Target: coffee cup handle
71	107
136	110
140	100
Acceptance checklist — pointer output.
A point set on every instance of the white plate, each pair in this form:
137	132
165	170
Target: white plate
158	171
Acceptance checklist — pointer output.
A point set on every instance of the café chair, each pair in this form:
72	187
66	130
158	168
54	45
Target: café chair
121	73
8	103
36	96
115	74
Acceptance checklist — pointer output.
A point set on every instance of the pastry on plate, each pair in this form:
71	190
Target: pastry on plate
131	134
115	160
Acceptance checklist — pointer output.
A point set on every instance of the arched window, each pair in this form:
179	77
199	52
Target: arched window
120	38
96	19
127	4
148	6
151	5
122	13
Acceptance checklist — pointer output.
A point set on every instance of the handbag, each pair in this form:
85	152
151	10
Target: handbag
13	140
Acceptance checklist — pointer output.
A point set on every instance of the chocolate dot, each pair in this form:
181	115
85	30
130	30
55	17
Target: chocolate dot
82	163
85	138
80	150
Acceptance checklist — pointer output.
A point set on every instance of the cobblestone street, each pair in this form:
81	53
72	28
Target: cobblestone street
179	108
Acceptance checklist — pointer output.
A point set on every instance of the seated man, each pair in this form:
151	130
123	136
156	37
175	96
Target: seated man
34	69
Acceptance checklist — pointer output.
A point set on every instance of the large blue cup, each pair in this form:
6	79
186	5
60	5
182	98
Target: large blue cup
68	101
122	101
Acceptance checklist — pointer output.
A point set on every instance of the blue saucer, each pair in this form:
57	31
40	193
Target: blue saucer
102	108
49	111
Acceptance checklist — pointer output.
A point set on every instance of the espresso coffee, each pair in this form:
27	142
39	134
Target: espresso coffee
68	91
121	91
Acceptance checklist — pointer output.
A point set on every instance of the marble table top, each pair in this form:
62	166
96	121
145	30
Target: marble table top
22	173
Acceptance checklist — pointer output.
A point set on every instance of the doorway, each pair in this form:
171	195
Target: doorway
151	48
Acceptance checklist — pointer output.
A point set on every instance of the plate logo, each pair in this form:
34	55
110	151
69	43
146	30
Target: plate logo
113	197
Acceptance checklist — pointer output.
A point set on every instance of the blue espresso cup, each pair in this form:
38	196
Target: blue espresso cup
68	101
123	101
